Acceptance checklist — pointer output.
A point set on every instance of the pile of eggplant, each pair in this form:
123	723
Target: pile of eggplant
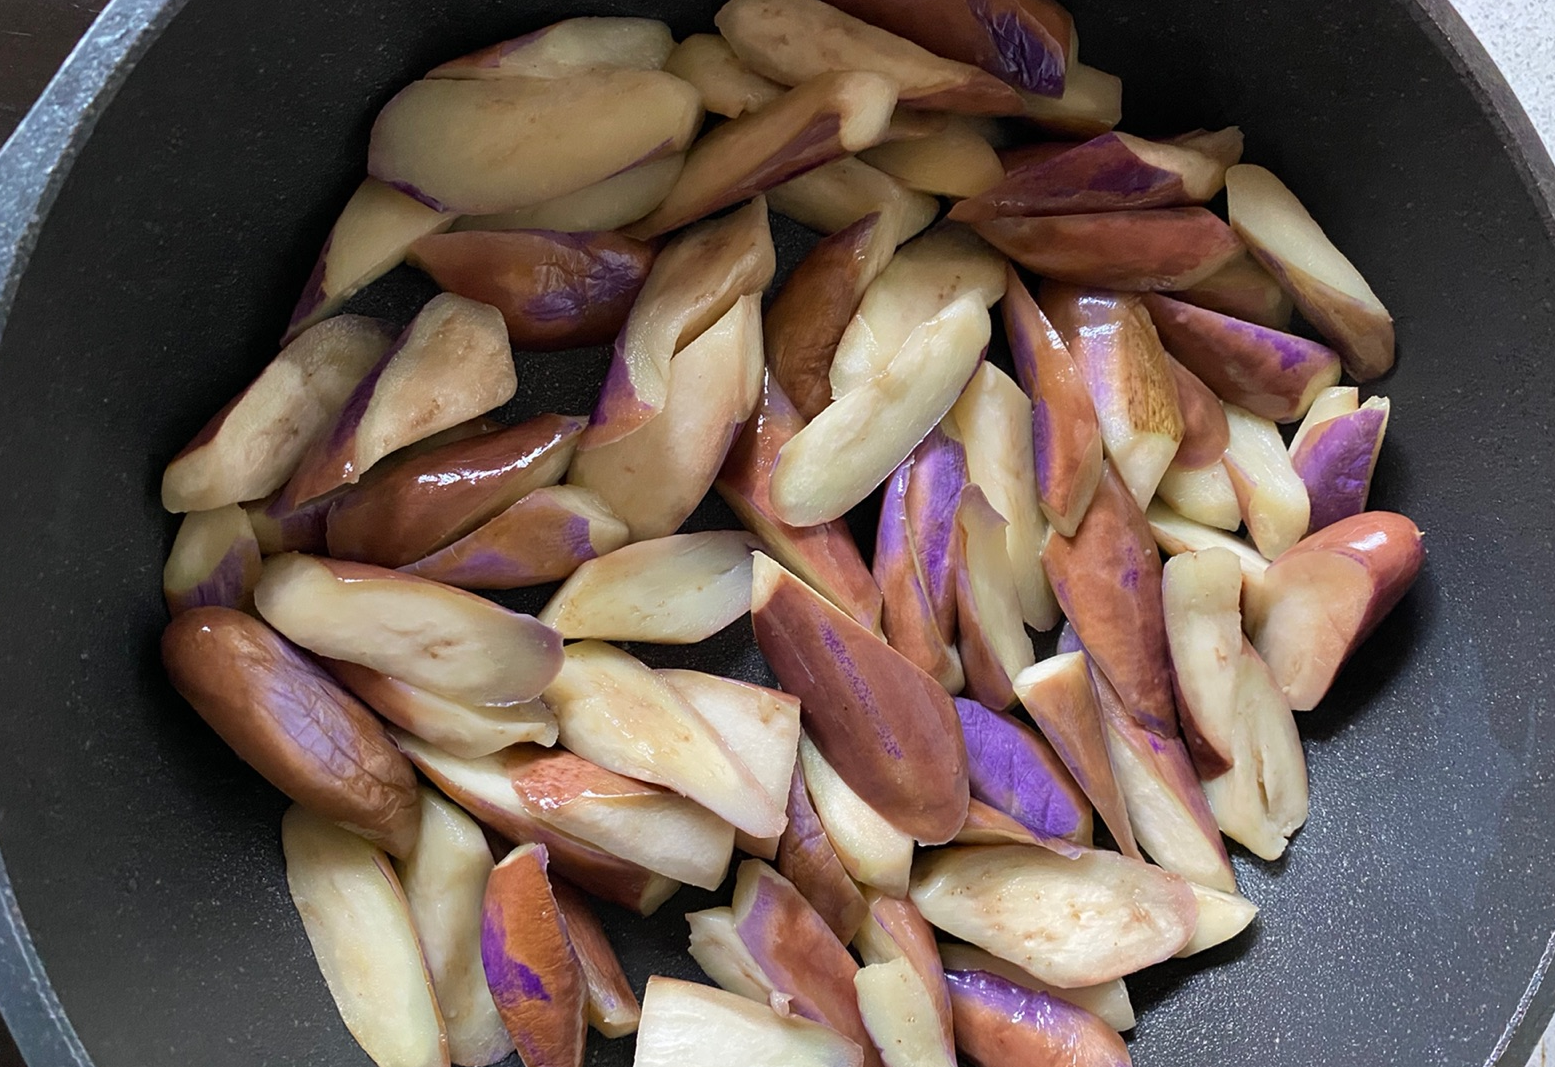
955	846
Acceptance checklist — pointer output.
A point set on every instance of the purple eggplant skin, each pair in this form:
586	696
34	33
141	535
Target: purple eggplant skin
1271	373
907	614
887	727
1068	640
808	860
1336	460
294	724
939	474
799	953
534	973
1107	578
543	538
280	527
230	584
1001	1024
1013	769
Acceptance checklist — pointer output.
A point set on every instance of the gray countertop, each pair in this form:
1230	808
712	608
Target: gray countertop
1518	34
1520	37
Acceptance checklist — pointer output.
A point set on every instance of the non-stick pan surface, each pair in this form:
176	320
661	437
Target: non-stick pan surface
1409	925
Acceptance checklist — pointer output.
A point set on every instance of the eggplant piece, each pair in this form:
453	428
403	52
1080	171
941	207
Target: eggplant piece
1070	922
1325	596
1271	373
614	711
484	788
1108	1001
835	196
555	290
1167	808
463	647
798	952
1238	725
810	313
1066	438
728	87
825	557
1128	375
685	1024
824	118
760	726
993	642
1270	493
534	973
1014	770
612	1006
916	572
654	479
444	881
994	421
887	728
1113	172
288	720
1336	459
872	851
450	364
696	280
459	144
568	48
791	41
1027	43
1108	581
214	561
468	731
415	506
672	590
1136	251
880	422
1002	1024
253	445
1326	287
1058	695
545	537
808	859
359	925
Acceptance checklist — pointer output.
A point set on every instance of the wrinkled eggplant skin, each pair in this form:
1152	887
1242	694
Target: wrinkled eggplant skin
293	723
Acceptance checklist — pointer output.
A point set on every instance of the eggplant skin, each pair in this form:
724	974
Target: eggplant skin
293	723
998	1022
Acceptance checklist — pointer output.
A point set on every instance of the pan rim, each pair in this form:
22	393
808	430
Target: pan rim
38	156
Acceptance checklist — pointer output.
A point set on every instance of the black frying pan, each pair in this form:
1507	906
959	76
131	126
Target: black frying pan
1411	923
